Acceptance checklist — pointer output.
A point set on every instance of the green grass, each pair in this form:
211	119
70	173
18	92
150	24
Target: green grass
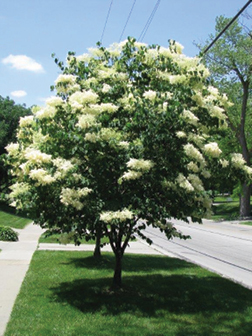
62	238
246	223
226	211
9	217
68	293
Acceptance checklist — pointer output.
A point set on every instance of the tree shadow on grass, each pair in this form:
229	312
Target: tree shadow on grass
11	210
131	263
162	285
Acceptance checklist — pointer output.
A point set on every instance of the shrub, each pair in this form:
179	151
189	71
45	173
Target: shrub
8	234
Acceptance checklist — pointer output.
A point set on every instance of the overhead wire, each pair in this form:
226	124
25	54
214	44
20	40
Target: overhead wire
111	3
127	20
147	25
227	26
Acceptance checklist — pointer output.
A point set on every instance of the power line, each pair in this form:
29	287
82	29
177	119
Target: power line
127	20
146	27
106	21
227	26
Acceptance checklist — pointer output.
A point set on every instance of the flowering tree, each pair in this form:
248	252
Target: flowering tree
126	143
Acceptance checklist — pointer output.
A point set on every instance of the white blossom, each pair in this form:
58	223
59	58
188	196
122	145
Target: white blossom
184	183
86	121
189	117
224	163
121	215
36	156
130	175
212	149
106	88
25	121
140	164
237	160
42	176
12	149
72	197
194	153
81	98
83	58
46	112
19	188
54	101
151	95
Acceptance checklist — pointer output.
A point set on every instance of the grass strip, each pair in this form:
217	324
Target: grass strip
8	217
68	293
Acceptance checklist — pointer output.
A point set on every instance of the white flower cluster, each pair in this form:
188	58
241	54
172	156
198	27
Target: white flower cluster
123	144
140	164
224	163
63	167
106	88
12	149
104	107
106	73
212	149
54	101
86	121
196	182
26	121
48	111
194	153
181	134
85	58
130	175
81	98
192	166
121	215
36	156
19	188
41	176
66	79
151	95
72	196
137	168
176	47
184	183
237	160
189	117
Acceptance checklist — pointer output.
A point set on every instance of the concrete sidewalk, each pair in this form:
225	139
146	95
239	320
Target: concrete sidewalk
138	247
15	258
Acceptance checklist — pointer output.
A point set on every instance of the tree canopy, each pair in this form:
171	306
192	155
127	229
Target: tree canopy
230	64
10	113
126	143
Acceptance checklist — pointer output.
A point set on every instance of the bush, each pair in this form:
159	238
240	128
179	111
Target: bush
8	234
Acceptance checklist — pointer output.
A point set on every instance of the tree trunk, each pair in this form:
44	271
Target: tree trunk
245	201
246	189
117	280
97	250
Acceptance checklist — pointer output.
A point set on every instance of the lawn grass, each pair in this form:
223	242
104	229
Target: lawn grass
246	223
58	238
68	293
225	211
9	217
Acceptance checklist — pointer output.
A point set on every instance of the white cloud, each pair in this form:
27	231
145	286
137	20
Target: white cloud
23	62
18	94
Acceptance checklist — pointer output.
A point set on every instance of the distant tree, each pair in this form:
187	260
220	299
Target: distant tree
126	143
230	64
9	121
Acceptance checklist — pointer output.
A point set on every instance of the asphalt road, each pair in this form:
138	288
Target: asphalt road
225	248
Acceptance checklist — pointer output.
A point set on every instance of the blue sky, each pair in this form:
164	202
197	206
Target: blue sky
31	30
